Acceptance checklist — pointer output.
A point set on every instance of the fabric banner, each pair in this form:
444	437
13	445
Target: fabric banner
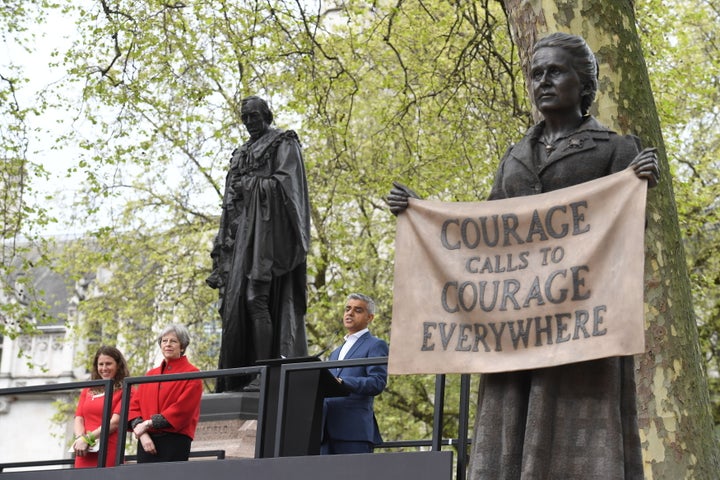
520	283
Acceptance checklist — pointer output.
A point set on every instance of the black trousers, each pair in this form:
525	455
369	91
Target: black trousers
171	447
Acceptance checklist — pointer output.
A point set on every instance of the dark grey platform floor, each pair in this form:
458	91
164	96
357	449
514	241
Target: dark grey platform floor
375	466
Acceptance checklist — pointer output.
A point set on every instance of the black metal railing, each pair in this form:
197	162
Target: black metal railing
130	381
71	386
460	444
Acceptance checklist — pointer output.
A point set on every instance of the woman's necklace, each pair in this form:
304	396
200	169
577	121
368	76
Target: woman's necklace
551	143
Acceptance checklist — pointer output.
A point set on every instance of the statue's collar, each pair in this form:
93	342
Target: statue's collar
589	125
258	146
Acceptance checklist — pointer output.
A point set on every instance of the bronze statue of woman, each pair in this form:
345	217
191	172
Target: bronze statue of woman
574	421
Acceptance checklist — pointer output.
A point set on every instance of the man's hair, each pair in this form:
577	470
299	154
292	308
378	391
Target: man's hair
363	298
264	107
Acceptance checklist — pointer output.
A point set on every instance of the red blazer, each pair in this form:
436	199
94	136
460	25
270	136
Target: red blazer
178	402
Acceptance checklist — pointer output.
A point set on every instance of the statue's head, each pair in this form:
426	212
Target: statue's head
582	61
256	116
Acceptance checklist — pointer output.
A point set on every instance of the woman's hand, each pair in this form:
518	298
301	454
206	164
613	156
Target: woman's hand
397	200
142	428
80	446
147	444
645	165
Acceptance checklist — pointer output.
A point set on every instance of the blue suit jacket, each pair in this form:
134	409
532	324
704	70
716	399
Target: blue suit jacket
352	418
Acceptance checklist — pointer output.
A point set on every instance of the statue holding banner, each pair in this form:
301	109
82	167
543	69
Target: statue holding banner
573	420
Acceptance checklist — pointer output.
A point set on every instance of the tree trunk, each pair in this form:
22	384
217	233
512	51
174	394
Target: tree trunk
673	402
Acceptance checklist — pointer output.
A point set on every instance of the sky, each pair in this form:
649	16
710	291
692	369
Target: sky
55	34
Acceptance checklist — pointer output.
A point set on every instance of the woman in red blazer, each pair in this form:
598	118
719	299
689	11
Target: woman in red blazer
164	415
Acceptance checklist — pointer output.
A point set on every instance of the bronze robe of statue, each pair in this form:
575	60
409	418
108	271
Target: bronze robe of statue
264	235
575	421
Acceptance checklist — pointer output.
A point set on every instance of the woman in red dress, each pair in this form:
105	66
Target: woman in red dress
108	363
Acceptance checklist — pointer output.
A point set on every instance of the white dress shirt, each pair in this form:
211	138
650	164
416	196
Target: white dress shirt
349	342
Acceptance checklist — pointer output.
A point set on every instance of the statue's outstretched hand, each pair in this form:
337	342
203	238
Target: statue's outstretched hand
645	165
397	200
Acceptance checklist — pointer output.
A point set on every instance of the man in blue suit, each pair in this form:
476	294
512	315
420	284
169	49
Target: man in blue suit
349	424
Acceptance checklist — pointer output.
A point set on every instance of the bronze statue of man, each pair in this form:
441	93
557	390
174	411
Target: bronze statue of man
259	254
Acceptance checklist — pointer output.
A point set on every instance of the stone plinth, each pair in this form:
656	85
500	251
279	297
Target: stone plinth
236	437
228	421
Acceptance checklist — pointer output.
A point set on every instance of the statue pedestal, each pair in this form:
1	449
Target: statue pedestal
236	437
228	421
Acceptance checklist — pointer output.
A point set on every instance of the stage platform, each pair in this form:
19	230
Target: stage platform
431	465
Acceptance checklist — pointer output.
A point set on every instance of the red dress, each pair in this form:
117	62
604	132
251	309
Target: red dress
90	407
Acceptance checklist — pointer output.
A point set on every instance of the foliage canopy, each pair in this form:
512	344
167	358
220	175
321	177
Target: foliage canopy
426	93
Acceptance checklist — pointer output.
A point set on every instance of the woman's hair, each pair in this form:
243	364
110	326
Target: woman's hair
364	298
122	368
180	331
584	62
